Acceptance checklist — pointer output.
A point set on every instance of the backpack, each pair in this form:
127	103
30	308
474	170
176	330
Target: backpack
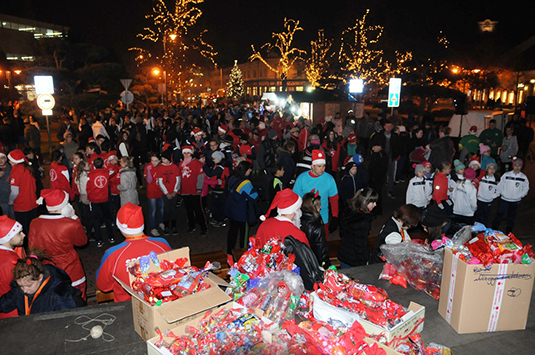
305	259
270	157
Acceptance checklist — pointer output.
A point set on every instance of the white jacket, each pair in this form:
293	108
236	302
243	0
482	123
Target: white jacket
488	189
416	192
464	198
513	187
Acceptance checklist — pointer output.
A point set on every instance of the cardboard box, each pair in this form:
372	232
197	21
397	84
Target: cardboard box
413	321
181	330
473	299
170	314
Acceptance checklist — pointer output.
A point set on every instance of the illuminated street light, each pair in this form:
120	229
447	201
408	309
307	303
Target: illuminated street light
17	71
156	71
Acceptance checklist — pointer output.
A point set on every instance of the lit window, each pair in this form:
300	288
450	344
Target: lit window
299	88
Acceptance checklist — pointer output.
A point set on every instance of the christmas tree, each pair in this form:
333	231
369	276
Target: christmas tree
235	88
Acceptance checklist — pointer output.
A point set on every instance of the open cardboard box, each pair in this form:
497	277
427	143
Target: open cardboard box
181	330
474	299
170	314
413	321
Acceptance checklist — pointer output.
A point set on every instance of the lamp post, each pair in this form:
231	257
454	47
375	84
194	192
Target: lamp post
172	36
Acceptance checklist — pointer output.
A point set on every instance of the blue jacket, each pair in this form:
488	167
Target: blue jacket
239	192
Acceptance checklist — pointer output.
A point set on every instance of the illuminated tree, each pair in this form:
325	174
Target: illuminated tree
361	57
317	64
235	88
283	44
183	50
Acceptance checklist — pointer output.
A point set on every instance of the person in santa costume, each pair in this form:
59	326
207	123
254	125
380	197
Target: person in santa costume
191	183
116	259
11	241
287	221
316	179
23	189
58	233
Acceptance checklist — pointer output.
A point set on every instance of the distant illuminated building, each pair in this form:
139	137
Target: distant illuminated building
487	25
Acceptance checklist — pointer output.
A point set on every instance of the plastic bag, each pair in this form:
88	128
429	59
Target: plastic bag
421	266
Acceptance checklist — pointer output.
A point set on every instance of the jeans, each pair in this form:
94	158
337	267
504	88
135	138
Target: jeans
195	211
169	211
511	208
391	173
218	205
155	212
232	235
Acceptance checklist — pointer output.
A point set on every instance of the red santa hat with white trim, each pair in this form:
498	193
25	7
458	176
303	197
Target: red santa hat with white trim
56	199
318	156
17	156
8	229
187	149
196	132
223	128
130	219
286	201
112	154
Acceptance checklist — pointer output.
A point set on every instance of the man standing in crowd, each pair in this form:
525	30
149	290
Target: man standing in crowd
390	144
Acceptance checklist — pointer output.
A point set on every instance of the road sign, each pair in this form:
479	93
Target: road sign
46	102
394	90
126	83
393	100
44	84
127	97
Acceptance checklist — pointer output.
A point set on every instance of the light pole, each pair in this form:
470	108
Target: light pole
172	36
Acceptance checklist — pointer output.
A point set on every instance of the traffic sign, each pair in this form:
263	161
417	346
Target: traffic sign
46	102
393	100
394	91
126	83
127	97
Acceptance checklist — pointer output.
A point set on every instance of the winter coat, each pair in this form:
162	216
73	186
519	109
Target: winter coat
354	244
285	158
128	186
315	231
57	294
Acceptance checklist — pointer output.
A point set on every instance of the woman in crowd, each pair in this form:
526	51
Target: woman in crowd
312	225
128	181
38	287
154	195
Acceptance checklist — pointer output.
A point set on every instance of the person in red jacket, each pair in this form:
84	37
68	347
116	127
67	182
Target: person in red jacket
154	195
168	178
116	259
98	195
191	182
23	190
287	221
58	233
441	188
59	174
245	150
115	180
11	241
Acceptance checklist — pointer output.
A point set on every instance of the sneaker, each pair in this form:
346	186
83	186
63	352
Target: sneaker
220	224
213	222
191	230
204	233
112	240
166	231
174	231
155	233
100	243
391	195
162	226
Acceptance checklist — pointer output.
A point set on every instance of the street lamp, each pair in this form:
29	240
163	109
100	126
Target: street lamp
172	36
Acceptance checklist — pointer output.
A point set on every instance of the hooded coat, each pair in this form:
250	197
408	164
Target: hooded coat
314	230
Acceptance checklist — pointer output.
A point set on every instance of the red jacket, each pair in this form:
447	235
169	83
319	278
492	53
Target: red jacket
191	177
115	178
23	178
440	188
74	186
59	178
116	259
151	175
97	185
58	235
280	228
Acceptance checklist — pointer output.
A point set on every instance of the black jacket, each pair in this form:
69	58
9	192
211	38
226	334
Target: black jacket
354	230
58	294
315	232
389	227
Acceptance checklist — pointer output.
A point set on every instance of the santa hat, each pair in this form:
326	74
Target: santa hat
187	149
3	155
56	199
223	128
483	148
473	129
91	139
112	154
8	229
130	219
425	163
196	132
286	201
517	161
352	138
474	160
17	156
318	157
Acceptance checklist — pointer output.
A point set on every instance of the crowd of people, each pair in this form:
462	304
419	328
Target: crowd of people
225	165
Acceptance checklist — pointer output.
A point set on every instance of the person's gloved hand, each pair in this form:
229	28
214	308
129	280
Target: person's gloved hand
333	225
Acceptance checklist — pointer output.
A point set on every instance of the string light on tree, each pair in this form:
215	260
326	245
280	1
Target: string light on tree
283	43
235	87
317	64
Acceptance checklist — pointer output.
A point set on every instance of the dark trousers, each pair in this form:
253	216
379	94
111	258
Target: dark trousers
100	212
115	204
218	205
85	216
232	235
195	211
25	218
169	211
483	212
511	208
463	219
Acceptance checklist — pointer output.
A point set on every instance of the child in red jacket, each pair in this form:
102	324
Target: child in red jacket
191	182
168	179
441	188
98	196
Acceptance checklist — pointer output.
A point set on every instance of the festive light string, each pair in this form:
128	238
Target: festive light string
317	64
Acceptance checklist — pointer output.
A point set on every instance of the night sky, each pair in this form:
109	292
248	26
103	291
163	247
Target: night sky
233	25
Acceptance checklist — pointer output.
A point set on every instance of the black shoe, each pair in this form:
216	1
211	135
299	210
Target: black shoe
166	231
100	243
174	231
191	230
391	195
92	238
203	233
112	240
